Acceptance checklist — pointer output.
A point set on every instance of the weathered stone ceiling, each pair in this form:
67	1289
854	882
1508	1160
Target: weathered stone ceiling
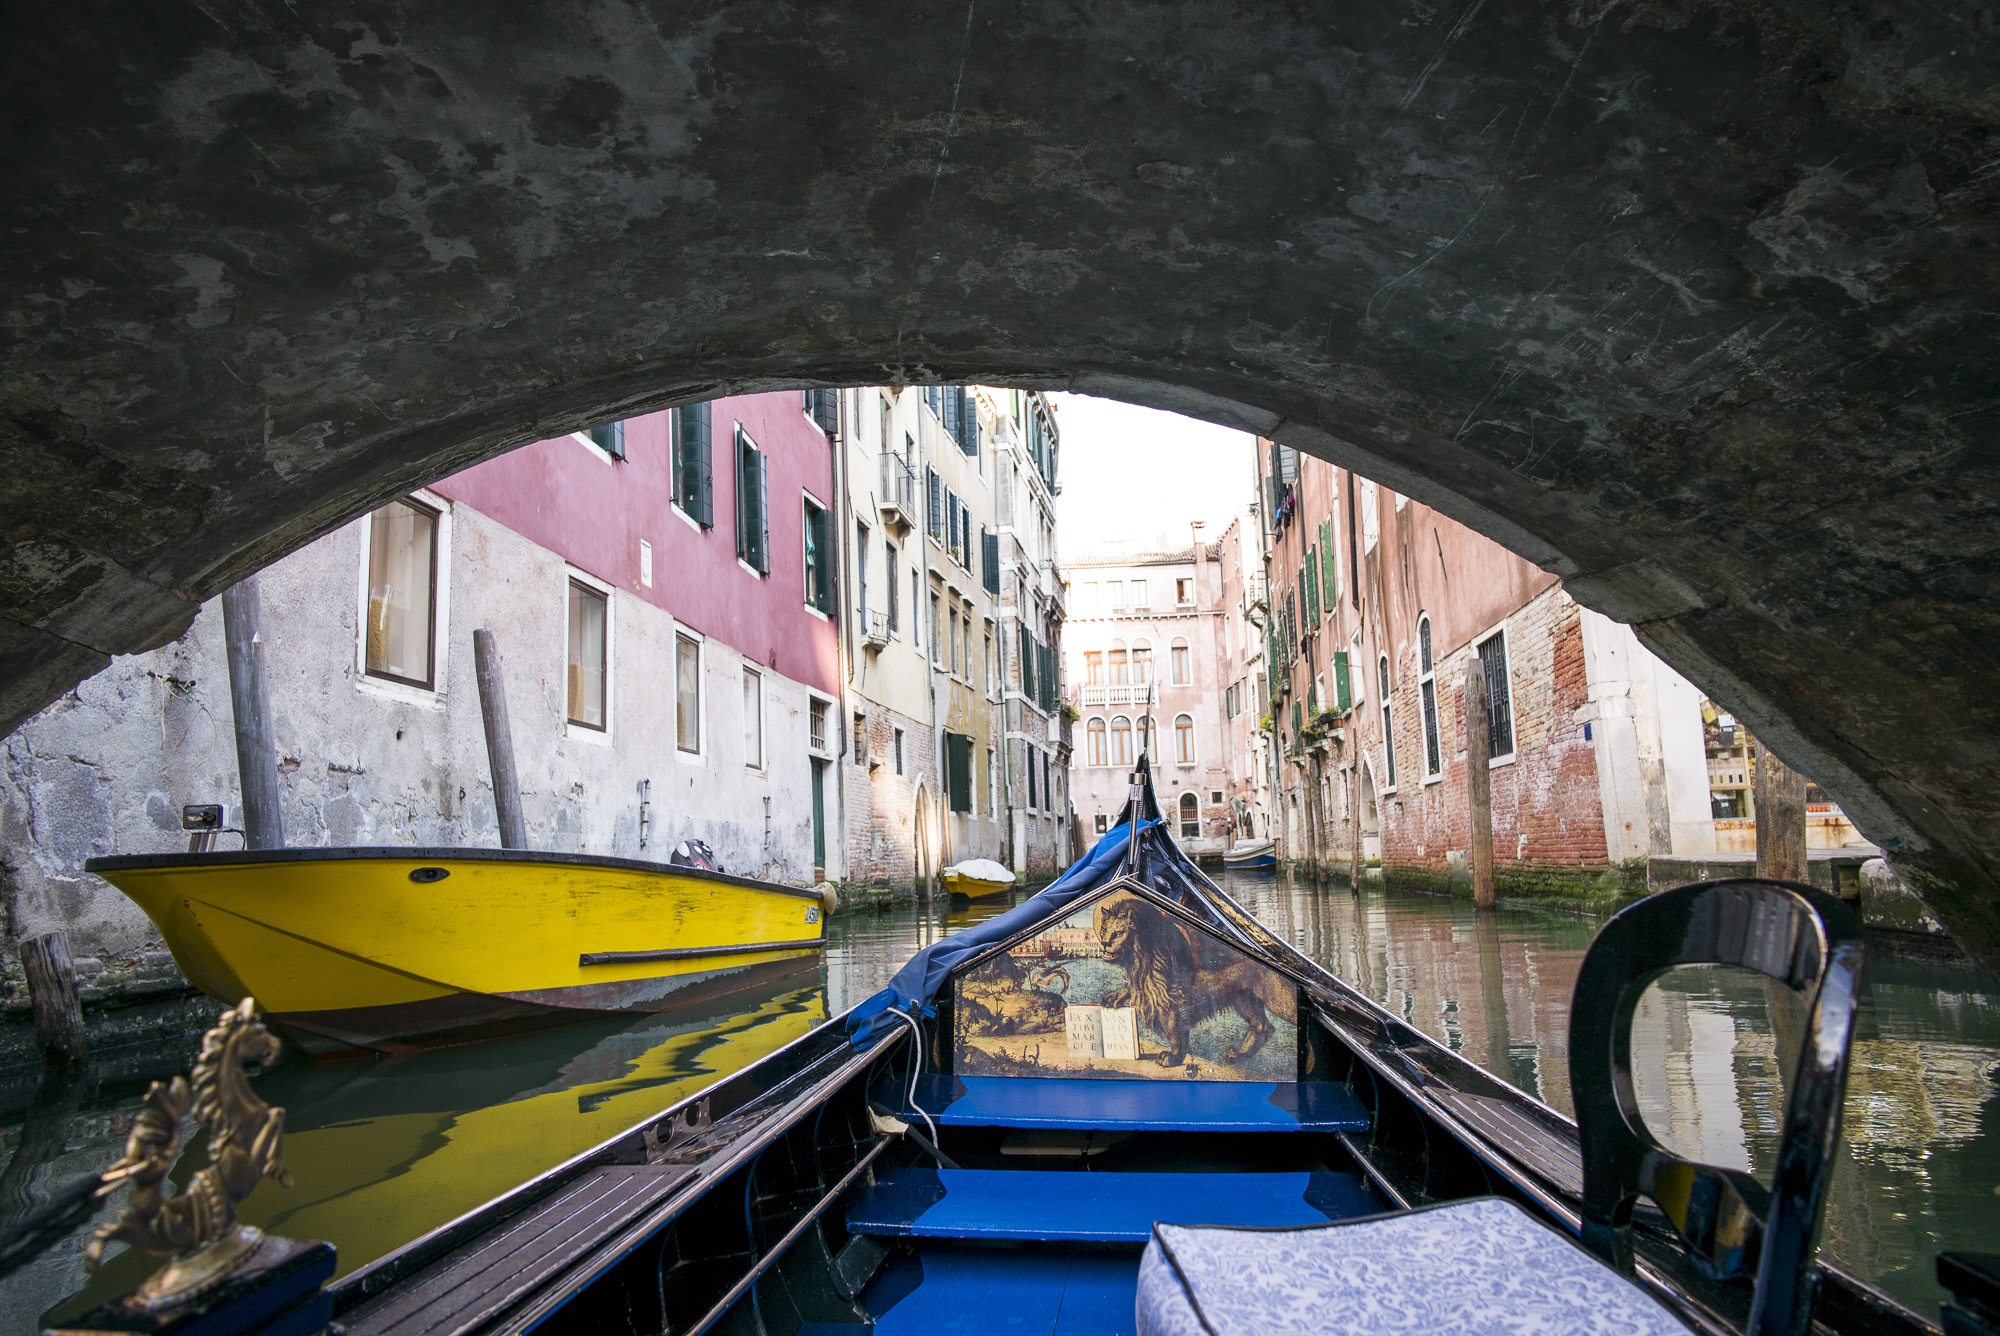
1689	302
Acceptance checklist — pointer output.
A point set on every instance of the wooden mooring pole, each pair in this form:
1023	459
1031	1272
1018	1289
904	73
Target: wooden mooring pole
250	701
1780	794
1479	783
499	740
58	1010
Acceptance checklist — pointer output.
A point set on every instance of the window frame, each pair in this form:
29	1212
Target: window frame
1184	585
1127	758
694	755
1181	815
753	673
820	572
1184	732
754	558
1507	757
1388	726
697	510
435	692
1097	743
576	728
1431	725
821	708
1180	662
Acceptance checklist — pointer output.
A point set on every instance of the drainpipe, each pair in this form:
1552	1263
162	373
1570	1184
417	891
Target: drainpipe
843	625
250	702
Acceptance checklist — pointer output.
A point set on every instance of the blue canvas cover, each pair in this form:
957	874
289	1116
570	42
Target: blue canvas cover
917	983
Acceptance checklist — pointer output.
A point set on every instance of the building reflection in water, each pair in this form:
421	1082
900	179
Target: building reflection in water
1921	1157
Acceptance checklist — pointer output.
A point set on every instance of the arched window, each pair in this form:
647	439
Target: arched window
1095	748
1121	740
1190	816
1118	678
1388	731
1427	691
1181	663
1142	663
1184	740
1093	668
1147	742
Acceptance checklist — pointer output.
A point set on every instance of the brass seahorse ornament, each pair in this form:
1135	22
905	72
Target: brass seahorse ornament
198	1229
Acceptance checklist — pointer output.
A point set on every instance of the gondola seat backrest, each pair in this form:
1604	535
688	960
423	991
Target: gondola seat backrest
1733	1226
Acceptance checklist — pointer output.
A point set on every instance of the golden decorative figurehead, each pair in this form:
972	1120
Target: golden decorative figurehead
198	1228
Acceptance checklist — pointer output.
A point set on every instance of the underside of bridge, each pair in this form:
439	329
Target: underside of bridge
1688	302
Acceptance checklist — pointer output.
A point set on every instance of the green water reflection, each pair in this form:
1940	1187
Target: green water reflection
383	1150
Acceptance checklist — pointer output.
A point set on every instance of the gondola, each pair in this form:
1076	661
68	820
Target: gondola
1124	1102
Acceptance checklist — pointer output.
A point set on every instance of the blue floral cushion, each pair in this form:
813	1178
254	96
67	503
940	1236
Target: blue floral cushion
1476	1268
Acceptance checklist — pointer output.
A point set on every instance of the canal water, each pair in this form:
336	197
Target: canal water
382	1150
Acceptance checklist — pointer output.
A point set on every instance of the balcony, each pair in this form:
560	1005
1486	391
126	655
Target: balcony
898	499
874	631
1121	693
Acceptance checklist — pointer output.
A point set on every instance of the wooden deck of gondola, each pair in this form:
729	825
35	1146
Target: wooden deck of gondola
485	1277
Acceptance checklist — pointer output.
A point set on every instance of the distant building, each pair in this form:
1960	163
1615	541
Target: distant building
1148	660
1379	607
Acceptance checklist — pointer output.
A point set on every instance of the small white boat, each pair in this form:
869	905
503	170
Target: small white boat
1251	855
976	877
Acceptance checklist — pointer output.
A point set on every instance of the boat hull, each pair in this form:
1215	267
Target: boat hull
974	887
1260	857
390	948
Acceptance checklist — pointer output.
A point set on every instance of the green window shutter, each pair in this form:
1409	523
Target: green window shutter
1343	688
1329	574
1296	722
958	770
1027	663
1312	588
694	484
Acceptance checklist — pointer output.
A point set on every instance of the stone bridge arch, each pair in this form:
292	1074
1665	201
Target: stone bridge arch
1683	301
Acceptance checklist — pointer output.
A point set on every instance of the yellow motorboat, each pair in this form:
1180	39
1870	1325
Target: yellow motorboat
976	877
391	948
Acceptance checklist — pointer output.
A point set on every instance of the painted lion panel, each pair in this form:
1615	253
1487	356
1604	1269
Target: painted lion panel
1122	988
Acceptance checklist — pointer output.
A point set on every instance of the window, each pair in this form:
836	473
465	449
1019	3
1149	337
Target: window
1184	593
402	593
899	751
937	640
1142	663
1371	519
1499	696
1032	802
687	693
588	629
1094	749
1427	693
818	557
753	512
1048	785
934	494
610	438
1388	732
1102	823
1140	600
1093	668
1215	797
1146	739
889	565
693	480
753	719
860	737
1181	663
952	645
1117	588
986	661
861	574
992	793
1184	740
816	724
958	772
1121	740
916	605
1190	816
1118	677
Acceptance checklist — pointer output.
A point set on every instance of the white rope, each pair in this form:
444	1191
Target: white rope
916	1061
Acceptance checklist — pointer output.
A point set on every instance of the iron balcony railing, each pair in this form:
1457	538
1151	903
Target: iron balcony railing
899	488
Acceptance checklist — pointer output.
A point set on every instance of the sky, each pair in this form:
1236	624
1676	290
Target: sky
1132	478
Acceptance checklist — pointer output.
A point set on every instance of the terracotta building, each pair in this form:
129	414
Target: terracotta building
1378	607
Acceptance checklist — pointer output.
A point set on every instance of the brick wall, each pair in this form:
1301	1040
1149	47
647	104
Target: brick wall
881	805
1548	818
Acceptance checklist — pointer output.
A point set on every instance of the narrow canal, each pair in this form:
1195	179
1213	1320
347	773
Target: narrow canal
382	1150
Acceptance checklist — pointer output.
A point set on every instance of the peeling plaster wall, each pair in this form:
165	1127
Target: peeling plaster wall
106	769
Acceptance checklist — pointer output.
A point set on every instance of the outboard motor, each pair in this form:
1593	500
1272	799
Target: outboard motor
693	853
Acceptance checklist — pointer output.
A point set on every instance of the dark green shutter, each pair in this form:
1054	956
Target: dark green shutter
958	770
1312	588
1329	567
1027	663
1343	686
694	482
